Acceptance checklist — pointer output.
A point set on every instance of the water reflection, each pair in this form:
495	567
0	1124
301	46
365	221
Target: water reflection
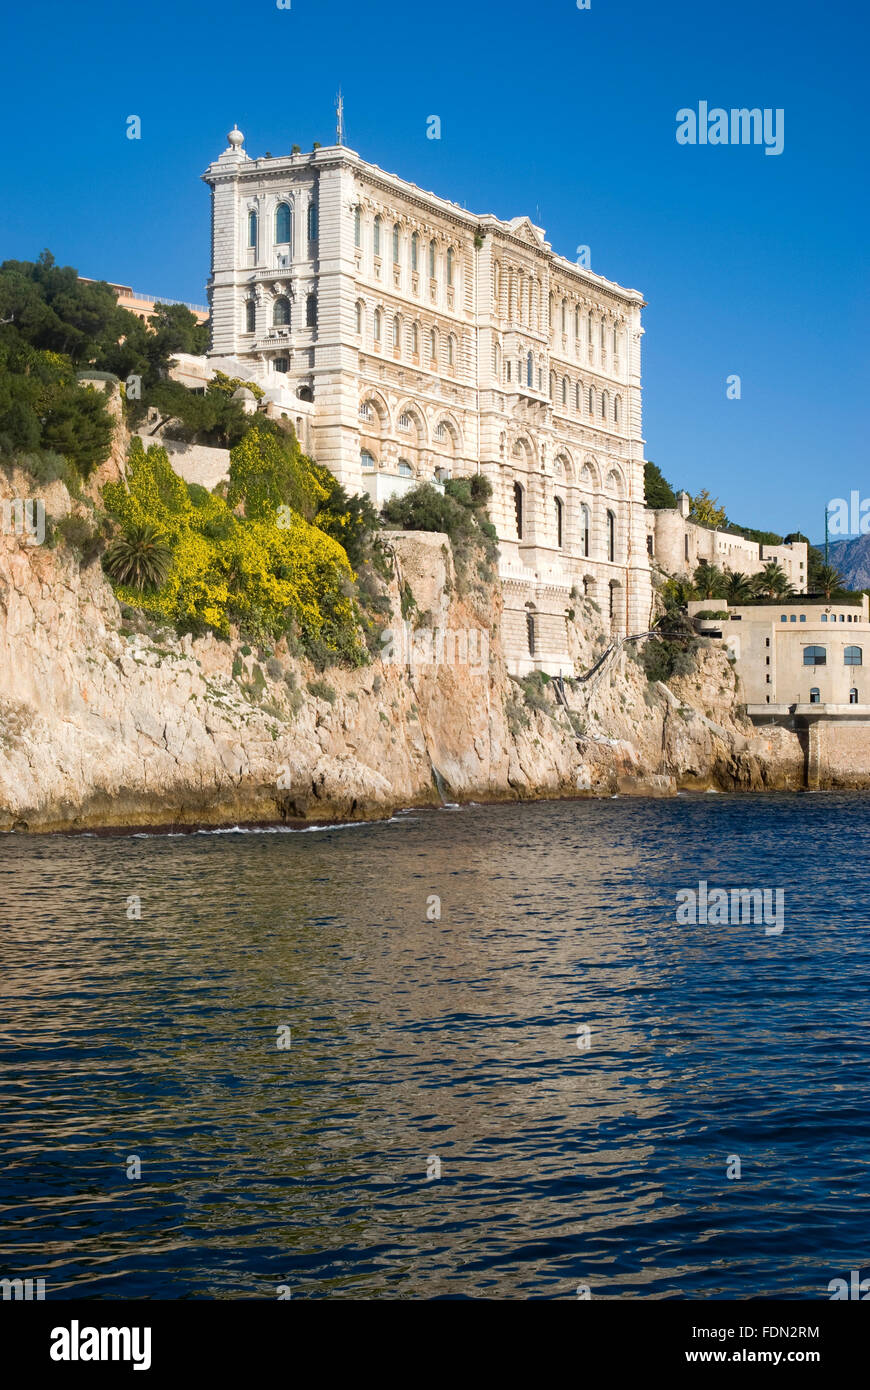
455	1037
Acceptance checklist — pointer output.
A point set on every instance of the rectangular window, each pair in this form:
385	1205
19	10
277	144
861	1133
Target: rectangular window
803	617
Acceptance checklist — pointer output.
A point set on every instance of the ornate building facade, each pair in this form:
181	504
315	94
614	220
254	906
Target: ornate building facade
419	341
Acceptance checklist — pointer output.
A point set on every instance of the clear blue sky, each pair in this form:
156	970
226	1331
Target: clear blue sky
751	264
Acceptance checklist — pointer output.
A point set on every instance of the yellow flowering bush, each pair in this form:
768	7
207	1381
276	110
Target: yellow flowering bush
270	573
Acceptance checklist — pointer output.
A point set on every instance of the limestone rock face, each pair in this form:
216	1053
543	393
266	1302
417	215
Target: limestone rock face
104	722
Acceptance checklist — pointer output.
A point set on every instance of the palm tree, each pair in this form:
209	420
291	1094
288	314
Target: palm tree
139	558
829	579
738	587
709	580
773	581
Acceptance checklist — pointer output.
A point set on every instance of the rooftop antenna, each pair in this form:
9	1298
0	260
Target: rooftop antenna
339	111
826	535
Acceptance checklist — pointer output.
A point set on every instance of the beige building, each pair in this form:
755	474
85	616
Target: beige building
432	342
788	655
142	305
677	546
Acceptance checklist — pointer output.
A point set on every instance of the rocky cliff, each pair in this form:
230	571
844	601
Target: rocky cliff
108	721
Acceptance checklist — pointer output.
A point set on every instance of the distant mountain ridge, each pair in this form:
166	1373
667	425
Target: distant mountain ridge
852	558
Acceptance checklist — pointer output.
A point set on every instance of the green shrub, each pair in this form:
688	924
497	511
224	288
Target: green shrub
322	691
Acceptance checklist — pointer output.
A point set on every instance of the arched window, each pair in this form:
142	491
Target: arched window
564	390
376	237
602	341
853	696
530	371
366	459
611	536
591	401
496	285
252	229
564	316
589	329
433	344
377	325
432	260
615	343
359	316
395	243
617	409
357	226
815	696
518	508
815	656
853	656
281	312
311	311
584	529
415	340
250	315
578	397
415	245
559	517
576	325
552	386
312	221
450	258
451	351
282	224
604	405
405	469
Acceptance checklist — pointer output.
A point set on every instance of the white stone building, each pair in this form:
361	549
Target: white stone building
677	546
421	341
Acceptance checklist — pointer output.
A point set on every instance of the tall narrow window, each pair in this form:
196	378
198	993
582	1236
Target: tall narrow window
589	331
591	401
415	248
312	221
604	405
853	696
577	325
617	410
450	265
530	631
397	333
603	348
311	311
559	514
431	260
357	227
250	315
611	588
282	224
281	312
451	351
530	371
395	243
815	696
359	315
415	340
611	536
433	345
377	325
252	229
518	509
376	237
564	316
564	390
584	529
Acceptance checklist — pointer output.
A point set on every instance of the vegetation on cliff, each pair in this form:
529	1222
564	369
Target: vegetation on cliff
254	559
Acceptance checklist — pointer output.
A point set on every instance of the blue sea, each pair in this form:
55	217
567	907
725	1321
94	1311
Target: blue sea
457	1054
